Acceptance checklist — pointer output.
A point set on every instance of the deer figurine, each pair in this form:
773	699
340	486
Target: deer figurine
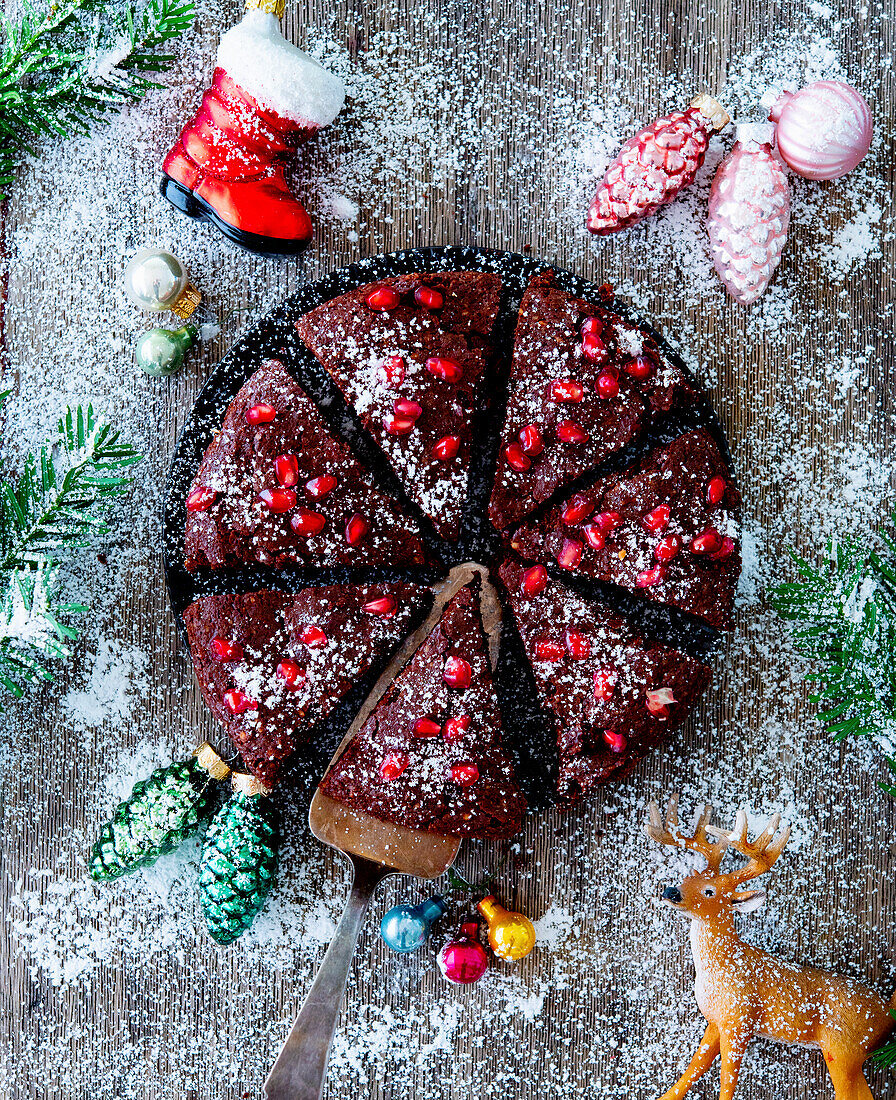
743	991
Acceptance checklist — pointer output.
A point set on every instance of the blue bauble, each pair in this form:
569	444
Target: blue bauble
405	928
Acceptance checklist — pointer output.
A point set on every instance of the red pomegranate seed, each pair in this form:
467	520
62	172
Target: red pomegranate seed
425	727
534	580
707	542
569	392
530	440
446	369
292	674
549	650
593	347
286	468
658	519
570	432
446	448
306	523
576	510
570	554
577	645
238	702
407	408
649	577
457	673
278	500
455	728
394	368
393	765
724	551
666	549
385	606
426	296
201	499
398	425
605	680
595	538
660	701
356	529
616	741
607	385
464	774
383	298
607	521
592	324
715	490
318	487
260	414
640	367
226	651
516	458
313	637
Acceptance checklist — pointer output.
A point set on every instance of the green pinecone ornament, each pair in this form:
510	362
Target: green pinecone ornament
239	860
161	812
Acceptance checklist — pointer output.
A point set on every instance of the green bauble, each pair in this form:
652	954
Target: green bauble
239	862
161	351
161	812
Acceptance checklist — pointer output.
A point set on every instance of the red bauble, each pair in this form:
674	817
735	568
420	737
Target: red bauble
464	960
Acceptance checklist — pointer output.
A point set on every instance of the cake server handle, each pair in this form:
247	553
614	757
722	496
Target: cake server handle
301	1067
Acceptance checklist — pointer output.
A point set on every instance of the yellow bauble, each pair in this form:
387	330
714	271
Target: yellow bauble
510	935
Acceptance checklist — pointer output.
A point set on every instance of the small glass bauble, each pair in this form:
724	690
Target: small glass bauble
161	351
155	280
406	928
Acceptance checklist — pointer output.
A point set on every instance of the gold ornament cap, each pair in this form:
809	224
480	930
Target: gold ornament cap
248	784
712	111
207	758
188	302
272	7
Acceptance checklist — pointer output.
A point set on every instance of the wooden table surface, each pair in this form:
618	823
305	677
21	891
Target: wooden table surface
605	1007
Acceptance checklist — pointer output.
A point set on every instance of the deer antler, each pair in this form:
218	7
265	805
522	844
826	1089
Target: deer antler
761	853
668	831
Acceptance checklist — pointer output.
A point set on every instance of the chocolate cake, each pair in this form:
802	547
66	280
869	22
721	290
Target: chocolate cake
276	487
431	755
667	528
583	383
409	355
613	695
271	665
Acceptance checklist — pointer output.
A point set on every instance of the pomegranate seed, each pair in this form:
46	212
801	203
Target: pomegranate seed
455	728
292	674
534	580
226	651
446	448
407	408
576	510
649	577
394	368
313	637
605	680
260	414
516	459
393	765
616	741
549	650
278	500
306	523
639	367
666	549
286	469
607	521
356	529
593	347
426	296
530	440
318	487
385	606
398	425
592	324
595	538
446	369
607	385
656	520
201	499
383	298
715	490
238	702
724	551
570	432
457	673
570	554
464	774
659	702
569	392
425	727
577	645
707	542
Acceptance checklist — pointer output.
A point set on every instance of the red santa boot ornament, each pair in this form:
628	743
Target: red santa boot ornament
227	167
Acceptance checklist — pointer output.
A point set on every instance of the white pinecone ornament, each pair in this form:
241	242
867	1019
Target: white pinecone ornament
749	214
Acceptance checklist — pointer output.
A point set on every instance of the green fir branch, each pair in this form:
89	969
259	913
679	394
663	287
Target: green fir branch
886	1055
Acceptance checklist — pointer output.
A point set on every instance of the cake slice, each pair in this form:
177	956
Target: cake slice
583	383
409	355
431	754
271	665
613	696
667	528
276	487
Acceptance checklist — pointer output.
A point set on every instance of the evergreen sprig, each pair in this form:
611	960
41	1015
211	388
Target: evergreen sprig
886	1055
56	503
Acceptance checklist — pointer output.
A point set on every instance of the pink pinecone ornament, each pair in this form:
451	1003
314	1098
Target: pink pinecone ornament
653	166
749	213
